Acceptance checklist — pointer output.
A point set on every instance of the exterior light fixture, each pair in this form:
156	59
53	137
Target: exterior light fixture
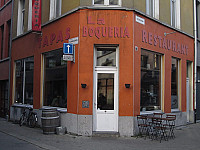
83	85
127	85
165	34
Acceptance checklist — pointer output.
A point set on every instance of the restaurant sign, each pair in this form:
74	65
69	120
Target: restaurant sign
99	29
164	43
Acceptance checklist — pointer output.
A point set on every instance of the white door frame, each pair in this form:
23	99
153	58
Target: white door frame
188	98
99	113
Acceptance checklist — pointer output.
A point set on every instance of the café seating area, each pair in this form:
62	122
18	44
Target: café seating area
157	126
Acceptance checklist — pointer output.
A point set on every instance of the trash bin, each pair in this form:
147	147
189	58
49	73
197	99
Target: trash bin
50	120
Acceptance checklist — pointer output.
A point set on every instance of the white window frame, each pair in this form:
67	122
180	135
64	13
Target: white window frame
55	9
30	15
20	21
106	3
176	14
155	7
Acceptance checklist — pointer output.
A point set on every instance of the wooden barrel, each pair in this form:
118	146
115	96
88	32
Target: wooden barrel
50	120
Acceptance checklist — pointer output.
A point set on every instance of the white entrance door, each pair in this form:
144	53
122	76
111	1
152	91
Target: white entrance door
105	102
188	98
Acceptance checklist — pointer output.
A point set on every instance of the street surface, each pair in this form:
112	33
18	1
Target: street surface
14	137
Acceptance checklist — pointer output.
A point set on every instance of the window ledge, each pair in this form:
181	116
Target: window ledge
22	105
175	110
150	112
59	109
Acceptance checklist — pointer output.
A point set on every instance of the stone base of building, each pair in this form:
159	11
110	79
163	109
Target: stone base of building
83	124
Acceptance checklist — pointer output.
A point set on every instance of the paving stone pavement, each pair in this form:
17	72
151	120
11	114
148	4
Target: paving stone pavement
187	138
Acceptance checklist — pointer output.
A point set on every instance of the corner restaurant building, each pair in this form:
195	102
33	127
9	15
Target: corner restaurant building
125	65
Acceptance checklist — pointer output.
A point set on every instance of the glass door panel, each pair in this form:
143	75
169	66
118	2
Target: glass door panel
105	91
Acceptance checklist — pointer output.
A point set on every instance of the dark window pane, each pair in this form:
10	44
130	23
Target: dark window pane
19	77
113	2
174	84
150	81
98	1
55	79
105	91
29	63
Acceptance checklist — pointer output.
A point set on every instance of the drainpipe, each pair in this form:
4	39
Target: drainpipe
11	23
195	55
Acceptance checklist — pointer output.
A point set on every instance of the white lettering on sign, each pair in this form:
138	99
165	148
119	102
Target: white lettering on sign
140	20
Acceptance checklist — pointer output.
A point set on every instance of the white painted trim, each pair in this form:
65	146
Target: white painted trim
178	14
30	15
156	9
171	1
52	9
106	69
19	18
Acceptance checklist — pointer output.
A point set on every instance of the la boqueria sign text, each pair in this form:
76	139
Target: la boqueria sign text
164	43
99	29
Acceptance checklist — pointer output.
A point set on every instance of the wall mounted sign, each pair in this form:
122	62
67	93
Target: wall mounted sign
140	20
98	28
36	15
73	40
55	37
68	48
164	43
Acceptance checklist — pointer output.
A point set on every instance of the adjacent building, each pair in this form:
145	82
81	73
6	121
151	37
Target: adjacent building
5	35
128	58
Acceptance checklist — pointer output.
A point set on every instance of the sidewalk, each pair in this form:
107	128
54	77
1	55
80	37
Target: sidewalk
187	138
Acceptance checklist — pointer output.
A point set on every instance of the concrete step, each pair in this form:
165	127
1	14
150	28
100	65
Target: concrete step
105	134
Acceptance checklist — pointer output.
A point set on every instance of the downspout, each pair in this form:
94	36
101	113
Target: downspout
9	77
195	57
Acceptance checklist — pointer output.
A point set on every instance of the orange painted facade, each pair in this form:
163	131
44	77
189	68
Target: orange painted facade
182	49
108	27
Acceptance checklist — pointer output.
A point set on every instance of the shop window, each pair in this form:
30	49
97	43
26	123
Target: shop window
1	42
174	83
107	2
175	13
24	81
55	79
21	17
9	27
152	8
55	9
150	81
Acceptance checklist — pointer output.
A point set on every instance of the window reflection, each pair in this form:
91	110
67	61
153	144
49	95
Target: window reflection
24	81
113	2
98	1
150	81
55	79
174	84
105	91
106	57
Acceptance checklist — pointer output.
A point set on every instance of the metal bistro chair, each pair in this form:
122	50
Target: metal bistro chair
170	122
143	125
160	129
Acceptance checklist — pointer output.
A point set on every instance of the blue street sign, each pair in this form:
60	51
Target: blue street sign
68	48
